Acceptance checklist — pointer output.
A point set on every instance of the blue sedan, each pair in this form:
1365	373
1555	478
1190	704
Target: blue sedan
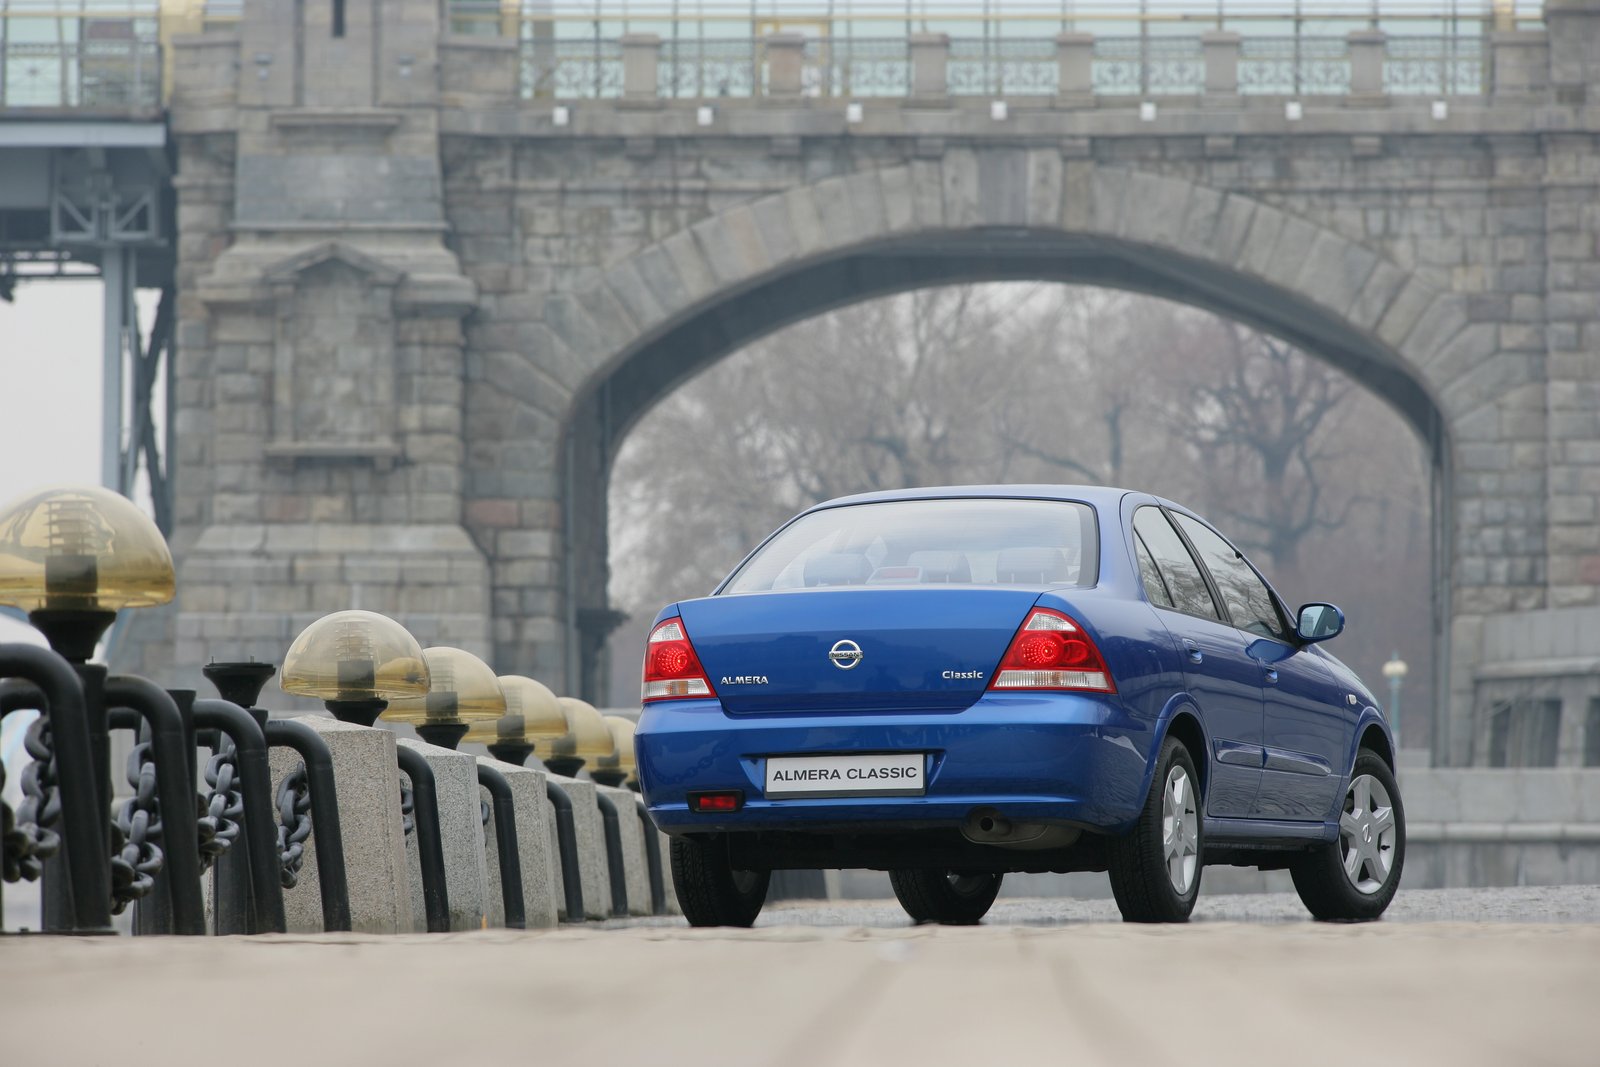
951	684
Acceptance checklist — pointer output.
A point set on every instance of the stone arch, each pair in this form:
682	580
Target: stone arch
658	316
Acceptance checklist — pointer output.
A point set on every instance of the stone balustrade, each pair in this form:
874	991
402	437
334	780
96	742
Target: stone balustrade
1216	68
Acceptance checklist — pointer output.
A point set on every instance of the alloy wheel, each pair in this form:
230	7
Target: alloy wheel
1367	834
1180	830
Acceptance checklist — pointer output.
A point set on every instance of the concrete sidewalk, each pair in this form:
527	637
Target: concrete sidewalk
1093	993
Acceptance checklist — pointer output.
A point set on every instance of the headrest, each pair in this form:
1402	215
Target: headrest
1029	565
838	568
939	566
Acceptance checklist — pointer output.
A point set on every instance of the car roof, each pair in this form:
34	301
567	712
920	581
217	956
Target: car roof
1098	496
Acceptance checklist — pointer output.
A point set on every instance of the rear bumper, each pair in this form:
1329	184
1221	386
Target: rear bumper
1054	757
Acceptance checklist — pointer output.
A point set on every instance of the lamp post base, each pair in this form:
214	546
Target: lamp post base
513	753
445	735
565	766
72	632
359	712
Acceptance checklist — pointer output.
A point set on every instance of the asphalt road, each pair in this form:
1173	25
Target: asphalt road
1456	977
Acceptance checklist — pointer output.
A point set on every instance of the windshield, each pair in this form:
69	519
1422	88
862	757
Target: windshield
944	542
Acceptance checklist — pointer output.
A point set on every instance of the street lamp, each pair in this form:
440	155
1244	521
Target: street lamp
72	557
355	662
532	715
618	767
1395	670
586	738
462	691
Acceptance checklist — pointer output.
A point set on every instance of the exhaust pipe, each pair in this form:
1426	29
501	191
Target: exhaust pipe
987	826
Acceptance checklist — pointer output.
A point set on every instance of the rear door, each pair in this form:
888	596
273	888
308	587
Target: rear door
1304	734
1221	676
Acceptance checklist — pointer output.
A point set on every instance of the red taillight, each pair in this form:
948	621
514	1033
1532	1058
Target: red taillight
728	800
671	669
1051	651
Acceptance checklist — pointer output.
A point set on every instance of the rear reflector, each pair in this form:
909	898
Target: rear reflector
1051	651
728	800
671	669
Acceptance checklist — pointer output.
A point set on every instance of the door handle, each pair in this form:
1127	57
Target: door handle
1272	676
1194	652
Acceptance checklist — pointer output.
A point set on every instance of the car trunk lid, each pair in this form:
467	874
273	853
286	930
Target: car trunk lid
923	649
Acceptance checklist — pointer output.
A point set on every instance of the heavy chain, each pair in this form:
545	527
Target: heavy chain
29	839
294	823
224	805
137	829
408	804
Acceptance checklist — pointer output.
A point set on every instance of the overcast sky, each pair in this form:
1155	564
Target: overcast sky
50	399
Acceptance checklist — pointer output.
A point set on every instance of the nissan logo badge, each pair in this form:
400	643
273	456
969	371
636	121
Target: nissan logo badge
845	654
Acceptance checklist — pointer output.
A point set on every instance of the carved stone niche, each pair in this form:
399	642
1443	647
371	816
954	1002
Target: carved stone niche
333	383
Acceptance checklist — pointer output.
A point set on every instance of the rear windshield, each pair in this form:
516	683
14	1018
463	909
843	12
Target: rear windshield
928	542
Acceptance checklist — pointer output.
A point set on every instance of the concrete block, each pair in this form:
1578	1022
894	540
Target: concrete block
635	866
594	873
368	785
455	777
535	847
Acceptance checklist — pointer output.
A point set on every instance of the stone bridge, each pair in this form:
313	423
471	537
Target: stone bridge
420	301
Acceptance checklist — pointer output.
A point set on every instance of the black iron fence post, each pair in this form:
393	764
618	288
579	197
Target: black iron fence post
260	830
430	847
326	835
567	845
652	855
505	836
85	837
175	789
614	859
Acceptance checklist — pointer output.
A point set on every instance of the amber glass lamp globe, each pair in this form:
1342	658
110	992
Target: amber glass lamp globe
619	766
356	662
532	715
586	738
461	690
81	548
73	557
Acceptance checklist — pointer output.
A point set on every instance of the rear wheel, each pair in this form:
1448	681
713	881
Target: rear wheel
710	891
950	898
1353	878
1155	868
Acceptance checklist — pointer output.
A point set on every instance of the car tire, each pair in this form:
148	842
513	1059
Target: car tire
949	898
1372	841
1155	868
710	891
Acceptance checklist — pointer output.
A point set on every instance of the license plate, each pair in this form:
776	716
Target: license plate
898	775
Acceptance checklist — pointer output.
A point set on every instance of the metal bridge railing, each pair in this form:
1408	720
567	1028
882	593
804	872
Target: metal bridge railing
1294	66
1003	67
104	74
572	68
1444	66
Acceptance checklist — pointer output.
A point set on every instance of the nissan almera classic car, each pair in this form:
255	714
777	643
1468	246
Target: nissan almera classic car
952	684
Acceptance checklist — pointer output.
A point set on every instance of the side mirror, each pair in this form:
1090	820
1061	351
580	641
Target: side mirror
1318	622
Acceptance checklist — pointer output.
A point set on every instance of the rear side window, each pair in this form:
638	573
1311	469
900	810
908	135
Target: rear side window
1184	585
1246	595
1155	587
968	541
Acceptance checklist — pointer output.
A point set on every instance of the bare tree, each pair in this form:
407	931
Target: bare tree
1256	418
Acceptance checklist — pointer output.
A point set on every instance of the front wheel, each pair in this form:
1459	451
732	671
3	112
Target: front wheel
1353	878
1155	868
710	891
950	898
